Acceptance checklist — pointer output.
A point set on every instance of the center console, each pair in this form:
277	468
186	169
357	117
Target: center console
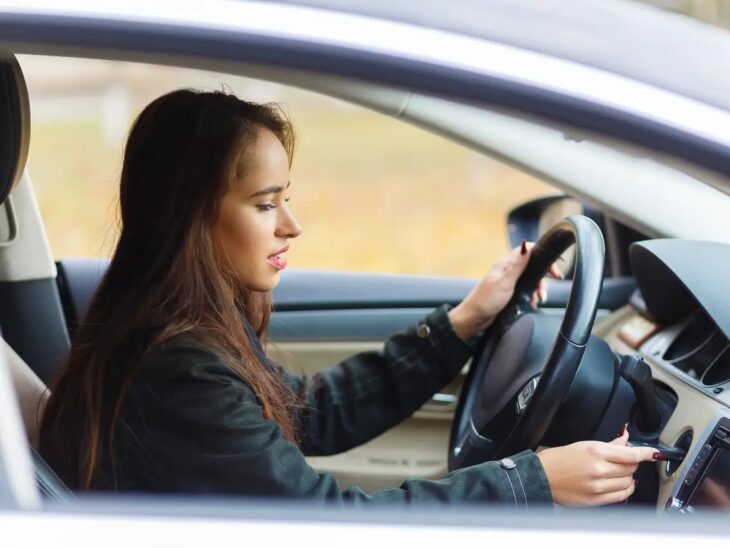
705	483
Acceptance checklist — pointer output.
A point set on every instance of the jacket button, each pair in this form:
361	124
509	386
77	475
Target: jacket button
423	331
507	464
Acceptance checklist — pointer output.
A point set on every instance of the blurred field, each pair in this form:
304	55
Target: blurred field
373	194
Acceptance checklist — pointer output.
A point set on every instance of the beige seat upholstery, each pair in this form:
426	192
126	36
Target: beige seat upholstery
32	395
15	139
30	390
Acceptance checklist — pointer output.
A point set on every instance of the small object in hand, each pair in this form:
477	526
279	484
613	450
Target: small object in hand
523	248
663	452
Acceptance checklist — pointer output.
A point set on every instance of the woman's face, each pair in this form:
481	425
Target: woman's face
255	222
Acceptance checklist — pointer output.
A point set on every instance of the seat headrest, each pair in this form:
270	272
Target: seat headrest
31	392
14	124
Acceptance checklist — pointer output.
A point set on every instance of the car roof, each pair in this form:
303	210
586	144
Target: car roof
336	39
635	40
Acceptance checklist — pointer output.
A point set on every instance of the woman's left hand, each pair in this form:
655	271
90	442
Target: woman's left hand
479	309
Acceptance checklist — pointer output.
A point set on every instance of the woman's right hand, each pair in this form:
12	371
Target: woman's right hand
591	473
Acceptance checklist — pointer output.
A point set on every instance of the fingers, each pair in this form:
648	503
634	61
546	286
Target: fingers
618	469
540	295
608	470
626	455
514	263
522	251
516	258
616	496
525	249
555	272
613	485
521	256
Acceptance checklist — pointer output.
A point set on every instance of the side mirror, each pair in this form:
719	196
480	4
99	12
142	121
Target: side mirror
530	220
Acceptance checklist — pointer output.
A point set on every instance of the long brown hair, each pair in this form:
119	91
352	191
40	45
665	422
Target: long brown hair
166	277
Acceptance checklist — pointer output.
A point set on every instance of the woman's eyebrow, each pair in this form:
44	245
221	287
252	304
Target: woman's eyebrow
270	190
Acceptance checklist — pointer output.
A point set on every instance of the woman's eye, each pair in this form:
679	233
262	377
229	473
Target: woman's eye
265	207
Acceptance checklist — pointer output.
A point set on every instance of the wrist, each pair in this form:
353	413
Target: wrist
545	457
467	324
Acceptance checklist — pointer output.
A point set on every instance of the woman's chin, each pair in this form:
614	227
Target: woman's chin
264	283
275	279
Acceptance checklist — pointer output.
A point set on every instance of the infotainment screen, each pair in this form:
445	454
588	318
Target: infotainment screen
713	490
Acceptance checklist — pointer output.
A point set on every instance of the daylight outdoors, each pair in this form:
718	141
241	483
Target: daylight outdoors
346	157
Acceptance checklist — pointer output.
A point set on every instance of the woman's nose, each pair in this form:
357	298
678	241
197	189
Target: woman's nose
288	226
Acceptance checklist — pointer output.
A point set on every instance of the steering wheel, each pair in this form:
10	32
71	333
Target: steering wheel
508	406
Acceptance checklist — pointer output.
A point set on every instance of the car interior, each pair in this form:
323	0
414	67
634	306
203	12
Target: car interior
652	328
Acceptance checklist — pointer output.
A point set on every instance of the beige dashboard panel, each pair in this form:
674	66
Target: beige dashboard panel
695	410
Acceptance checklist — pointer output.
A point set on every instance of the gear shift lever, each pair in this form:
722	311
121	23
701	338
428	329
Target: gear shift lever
637	373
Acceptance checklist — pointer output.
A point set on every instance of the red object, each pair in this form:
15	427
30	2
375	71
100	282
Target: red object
524	248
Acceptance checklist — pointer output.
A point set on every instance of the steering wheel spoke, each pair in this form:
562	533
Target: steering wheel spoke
471	446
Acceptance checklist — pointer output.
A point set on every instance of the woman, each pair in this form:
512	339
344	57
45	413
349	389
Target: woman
167	387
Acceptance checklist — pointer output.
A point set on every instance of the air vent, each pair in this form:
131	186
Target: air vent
697	346
719	370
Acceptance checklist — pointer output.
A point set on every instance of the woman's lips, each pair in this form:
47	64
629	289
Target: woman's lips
278	261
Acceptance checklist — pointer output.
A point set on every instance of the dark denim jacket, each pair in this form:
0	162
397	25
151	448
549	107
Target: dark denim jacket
191	425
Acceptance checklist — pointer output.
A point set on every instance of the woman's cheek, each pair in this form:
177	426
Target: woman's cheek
253	240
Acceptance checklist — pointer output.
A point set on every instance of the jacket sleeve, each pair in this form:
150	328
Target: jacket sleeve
369	393
192	426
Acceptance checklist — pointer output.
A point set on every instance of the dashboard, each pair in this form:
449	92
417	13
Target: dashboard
679	322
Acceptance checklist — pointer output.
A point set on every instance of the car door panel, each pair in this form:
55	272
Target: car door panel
415	448
306	340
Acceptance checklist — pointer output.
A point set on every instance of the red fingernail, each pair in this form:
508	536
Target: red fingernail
623	430
660	456
524	247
